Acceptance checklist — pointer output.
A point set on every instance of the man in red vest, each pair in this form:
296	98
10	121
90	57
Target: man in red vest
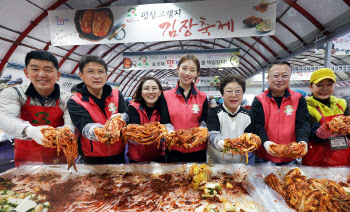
24	109
95	103
280	114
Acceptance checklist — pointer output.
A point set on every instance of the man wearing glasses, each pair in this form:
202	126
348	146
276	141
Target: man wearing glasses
280	115
94	103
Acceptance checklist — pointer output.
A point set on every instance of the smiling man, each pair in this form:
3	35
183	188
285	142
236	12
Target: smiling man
25	108
94	103
280	114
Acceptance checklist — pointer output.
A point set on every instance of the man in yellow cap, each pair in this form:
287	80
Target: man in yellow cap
325	149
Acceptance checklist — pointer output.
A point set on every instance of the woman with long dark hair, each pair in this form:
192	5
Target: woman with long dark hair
185	107
144	108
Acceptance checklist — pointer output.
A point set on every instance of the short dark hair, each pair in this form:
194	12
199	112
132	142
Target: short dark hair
138	93
279	62
192	58
91	58
41	55
232	78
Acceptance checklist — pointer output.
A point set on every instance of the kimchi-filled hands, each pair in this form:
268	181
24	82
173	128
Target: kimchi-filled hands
304	146
169	127
123	116
323	131
35	134
267	145
89	131
216	140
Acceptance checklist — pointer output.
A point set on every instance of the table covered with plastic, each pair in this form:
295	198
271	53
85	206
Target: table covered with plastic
157	187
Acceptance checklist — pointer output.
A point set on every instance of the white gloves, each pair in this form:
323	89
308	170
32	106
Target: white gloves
267	145
35	134
89	131
220	145
169	127
124	116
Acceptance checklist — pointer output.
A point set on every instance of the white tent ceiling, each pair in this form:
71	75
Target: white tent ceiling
301	25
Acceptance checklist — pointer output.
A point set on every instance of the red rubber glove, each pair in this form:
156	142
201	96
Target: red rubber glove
323	132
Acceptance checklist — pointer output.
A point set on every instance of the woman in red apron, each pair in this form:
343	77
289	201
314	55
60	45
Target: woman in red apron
144	109
29	151
325	149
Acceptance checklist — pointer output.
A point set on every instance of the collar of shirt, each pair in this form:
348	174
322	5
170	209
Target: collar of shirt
34	94
229	112
180	90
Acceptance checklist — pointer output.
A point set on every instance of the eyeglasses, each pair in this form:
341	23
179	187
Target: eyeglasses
283	77
237	92
92	73
150	89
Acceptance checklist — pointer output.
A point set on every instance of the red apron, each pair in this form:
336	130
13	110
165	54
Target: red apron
321	154
145	152
28	151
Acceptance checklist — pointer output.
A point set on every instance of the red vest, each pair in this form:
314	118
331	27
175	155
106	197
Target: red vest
321	154
145	152
279	123
96	148
27	151
185	115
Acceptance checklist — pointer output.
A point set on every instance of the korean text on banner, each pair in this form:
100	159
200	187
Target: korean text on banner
163	22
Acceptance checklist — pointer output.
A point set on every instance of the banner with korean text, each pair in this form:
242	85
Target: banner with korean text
163	22
214	58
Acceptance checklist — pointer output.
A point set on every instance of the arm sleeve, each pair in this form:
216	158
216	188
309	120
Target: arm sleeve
121	104
213	122
10	109
164	112
79	115
250	127
204	115
347	110
133	115
259	120
302	123
313	136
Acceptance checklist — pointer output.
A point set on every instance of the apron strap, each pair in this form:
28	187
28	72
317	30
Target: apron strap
28	100
57	102
318	109
340	108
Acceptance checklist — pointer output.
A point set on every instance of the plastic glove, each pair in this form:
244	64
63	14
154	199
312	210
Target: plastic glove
89	131
133	142
123	116
323	132
202	124
216	140
267	147
169	127
303	143
35	134
220	145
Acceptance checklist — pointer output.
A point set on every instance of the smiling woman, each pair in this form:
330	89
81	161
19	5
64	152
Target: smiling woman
228	120
185	107
323	107
142	110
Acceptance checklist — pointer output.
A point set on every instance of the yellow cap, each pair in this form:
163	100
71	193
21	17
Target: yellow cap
321	74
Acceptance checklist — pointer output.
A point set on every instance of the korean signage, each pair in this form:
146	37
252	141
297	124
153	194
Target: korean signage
340	46
163	22
200	81
169	59
296	76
